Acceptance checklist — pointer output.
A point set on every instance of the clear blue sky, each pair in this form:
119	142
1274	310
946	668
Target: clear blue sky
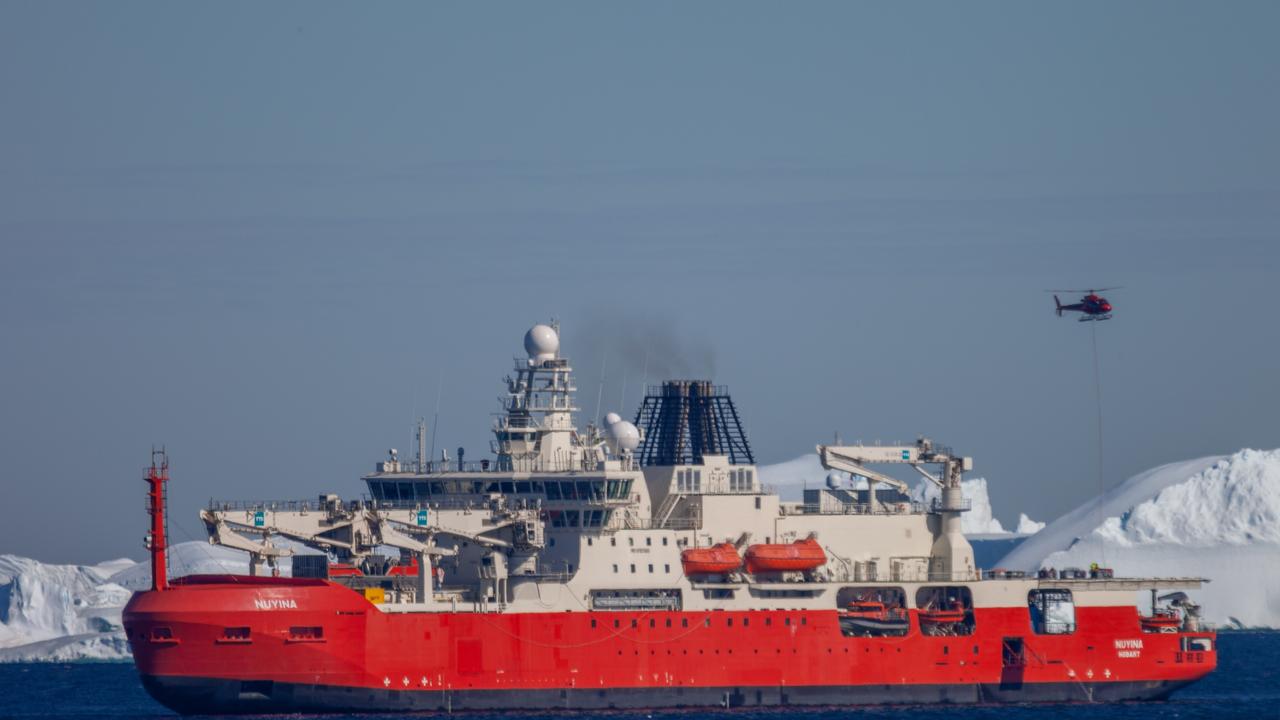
265	234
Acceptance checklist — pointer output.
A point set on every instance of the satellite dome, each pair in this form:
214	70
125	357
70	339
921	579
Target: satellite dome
625	435
611	418
541	342
834	480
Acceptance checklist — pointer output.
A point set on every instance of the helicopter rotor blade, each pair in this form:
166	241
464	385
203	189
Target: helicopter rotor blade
1088	290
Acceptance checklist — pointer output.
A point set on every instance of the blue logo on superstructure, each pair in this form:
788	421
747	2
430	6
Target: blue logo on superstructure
259	518
422	517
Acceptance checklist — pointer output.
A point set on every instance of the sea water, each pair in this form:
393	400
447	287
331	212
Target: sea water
1245	685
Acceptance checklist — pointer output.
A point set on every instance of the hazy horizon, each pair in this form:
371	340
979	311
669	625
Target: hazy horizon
269	237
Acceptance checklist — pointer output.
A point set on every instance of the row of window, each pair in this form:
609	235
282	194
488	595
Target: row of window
574	518
422	491
740	479
706	622
666	568
238	634
689	481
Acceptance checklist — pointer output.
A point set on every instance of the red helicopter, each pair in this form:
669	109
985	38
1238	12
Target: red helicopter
1091	307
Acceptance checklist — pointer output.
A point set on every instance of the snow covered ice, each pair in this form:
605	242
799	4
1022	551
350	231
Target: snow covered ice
1215	517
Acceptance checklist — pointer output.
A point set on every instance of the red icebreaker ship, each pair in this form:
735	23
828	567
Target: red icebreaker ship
599	568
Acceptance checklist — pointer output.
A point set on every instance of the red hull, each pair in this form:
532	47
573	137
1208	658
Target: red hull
464	659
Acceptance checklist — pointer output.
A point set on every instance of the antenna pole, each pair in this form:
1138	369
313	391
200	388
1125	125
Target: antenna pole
157	478
422	445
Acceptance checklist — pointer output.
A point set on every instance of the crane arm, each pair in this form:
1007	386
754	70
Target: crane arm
847	459
221	534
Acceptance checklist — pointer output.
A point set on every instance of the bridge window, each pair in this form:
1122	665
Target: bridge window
553	491
1053	612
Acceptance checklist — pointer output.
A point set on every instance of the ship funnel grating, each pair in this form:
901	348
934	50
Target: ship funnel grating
683	420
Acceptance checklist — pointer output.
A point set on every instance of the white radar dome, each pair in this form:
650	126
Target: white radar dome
625	436
834	480
611	418
541	342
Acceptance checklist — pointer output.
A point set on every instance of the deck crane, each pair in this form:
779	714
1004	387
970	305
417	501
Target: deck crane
353	530
952	556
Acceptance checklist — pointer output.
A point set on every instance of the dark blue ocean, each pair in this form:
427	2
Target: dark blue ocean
1246	685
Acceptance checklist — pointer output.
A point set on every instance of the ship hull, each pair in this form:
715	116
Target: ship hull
198	696
260	645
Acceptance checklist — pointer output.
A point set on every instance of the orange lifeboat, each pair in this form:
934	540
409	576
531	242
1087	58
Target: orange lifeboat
800	555
715	560
1163	621
943	616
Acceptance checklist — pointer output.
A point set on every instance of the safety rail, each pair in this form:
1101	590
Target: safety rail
440	467
936	505
679	523
911	508
278	505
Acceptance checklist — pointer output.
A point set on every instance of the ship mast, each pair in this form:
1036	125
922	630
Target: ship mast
157	504
536	431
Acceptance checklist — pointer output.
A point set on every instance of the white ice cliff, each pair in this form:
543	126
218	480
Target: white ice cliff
1215	517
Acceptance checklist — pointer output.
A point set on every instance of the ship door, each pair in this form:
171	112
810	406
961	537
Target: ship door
1012	663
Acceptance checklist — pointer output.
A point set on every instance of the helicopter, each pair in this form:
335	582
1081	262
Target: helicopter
1091	307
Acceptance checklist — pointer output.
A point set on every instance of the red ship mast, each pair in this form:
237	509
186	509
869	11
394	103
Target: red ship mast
156	479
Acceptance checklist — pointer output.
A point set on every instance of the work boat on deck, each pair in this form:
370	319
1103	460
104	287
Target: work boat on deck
635	564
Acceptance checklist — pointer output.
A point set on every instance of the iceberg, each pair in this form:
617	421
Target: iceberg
60	612
1214	517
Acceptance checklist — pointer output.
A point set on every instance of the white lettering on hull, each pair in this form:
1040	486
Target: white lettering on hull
275	604
1129	648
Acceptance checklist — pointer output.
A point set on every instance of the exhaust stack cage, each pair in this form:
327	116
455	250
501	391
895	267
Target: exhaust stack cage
683	420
